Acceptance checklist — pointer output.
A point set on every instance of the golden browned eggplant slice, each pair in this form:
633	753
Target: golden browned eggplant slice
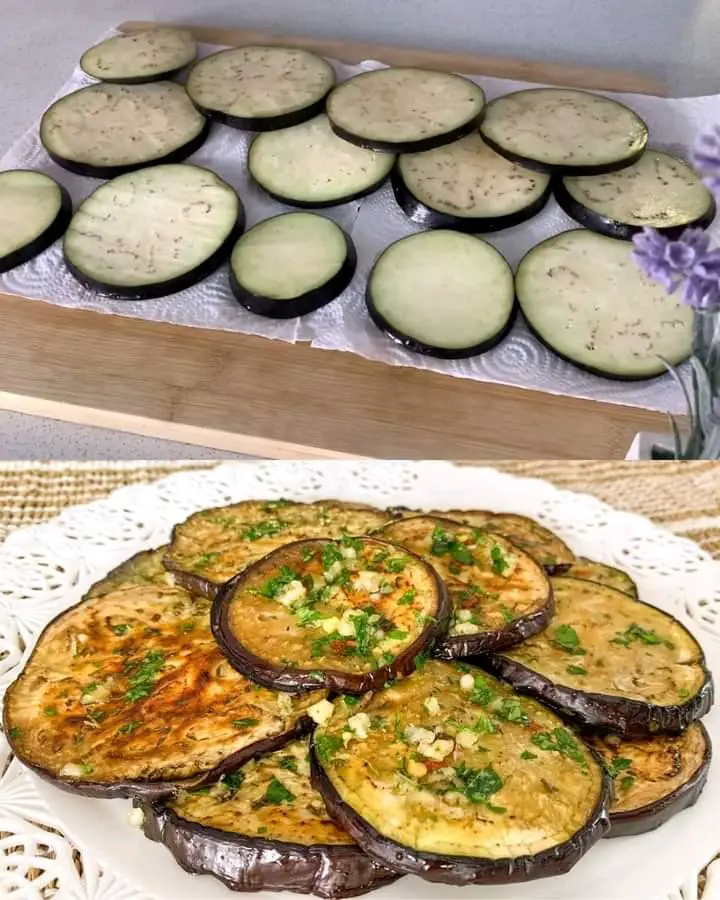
500	595
127	691
590	570
347	615
535	539
611	662
211	546
655	778
263	827
451	776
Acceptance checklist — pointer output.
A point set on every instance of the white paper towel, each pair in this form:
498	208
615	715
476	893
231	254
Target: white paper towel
373	223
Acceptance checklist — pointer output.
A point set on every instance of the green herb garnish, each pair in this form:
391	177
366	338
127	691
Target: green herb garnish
278	793
396	564
142	676
86	768
407	598
618	765
186	627
420	661
479	785
499	563
576	670
526	754
512	711
307	553
507	614
233	781
397	635
262	830
204	560
562	741
330	555
566	638
636	632
265	528
289	763
50	711
485	725
482	692
627	782
245	723
119	629
349	700
326	746
15	733
274	586
129	727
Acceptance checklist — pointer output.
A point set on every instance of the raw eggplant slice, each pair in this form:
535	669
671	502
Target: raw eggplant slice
291	265
545	547
442	293
261	88
500	595
564	132
585	298
467	186
152	233
469	785
655	778
34	212
405	110
590	570
611	663
212	545
107	129
310	167
150	55
264	827
658	191
122	690
347	615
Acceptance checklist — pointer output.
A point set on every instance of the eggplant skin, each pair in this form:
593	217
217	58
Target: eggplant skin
420	146
244	863
652	816
427	349
327	204
293	680
427	217
265	123
304	304
558	169
602	712
164	288
621	230
51	234
462	870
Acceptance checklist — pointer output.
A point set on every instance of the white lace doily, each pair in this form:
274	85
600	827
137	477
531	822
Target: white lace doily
45	568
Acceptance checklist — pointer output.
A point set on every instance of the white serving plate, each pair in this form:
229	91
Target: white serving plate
46	568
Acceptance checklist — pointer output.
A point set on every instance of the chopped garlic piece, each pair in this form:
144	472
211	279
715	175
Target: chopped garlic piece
414	735
334	571
466	739
432	705
464	615
367	581
436	750
349	552
416	769
72	770
465	628
467	682
359	724
346	628
320	712
291	593
284	702
136	818
330	624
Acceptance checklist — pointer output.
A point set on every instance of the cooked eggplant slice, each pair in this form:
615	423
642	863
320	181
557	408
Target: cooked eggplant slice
449	775
590	570
442	293
152	233
127	693
261	88
584	297
658	191
107	129
655	778
291	265
211	546
545	547
34	212
143	569
150	55
347	615
564	132
467	186
611	663
500	595
309	166
405	110
264	827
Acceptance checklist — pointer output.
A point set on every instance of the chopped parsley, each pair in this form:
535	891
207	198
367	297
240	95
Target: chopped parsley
273	586
507	614
526	754
15	733
233	781
683	693
186	627
481	692
566	638
511	711
306	615
562	741
478	785
499	563
326	746
142	676
407	598
576	670
636	632
86	768
618	765
396	564
265	528
204	560
353	543
120	629
350	700
129	727
307	553
379	557
363	633
50	711
627	782
330	555
485	725
277	793
96	715
90	688
443	543
397	635
245	723
289	763
262	830
420	661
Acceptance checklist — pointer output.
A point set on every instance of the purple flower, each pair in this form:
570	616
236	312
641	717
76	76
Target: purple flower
706	158
688	262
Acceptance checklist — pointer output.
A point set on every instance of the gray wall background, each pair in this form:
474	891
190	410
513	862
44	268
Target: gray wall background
674	39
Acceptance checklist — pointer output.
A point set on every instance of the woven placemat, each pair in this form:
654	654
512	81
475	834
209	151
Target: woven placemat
684	497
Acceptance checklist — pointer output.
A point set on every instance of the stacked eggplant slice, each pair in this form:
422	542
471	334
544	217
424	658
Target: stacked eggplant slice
291	692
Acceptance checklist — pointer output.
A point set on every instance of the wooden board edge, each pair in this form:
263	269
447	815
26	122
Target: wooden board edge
353	52
215	439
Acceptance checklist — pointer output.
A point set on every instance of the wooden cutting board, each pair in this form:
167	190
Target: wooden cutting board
268	398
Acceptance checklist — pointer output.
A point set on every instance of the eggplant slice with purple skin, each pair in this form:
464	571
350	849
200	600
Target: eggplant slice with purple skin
346	615
611	663
484	787
535	539
212	545
264	827
500	595
591	570
126	694
655	778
